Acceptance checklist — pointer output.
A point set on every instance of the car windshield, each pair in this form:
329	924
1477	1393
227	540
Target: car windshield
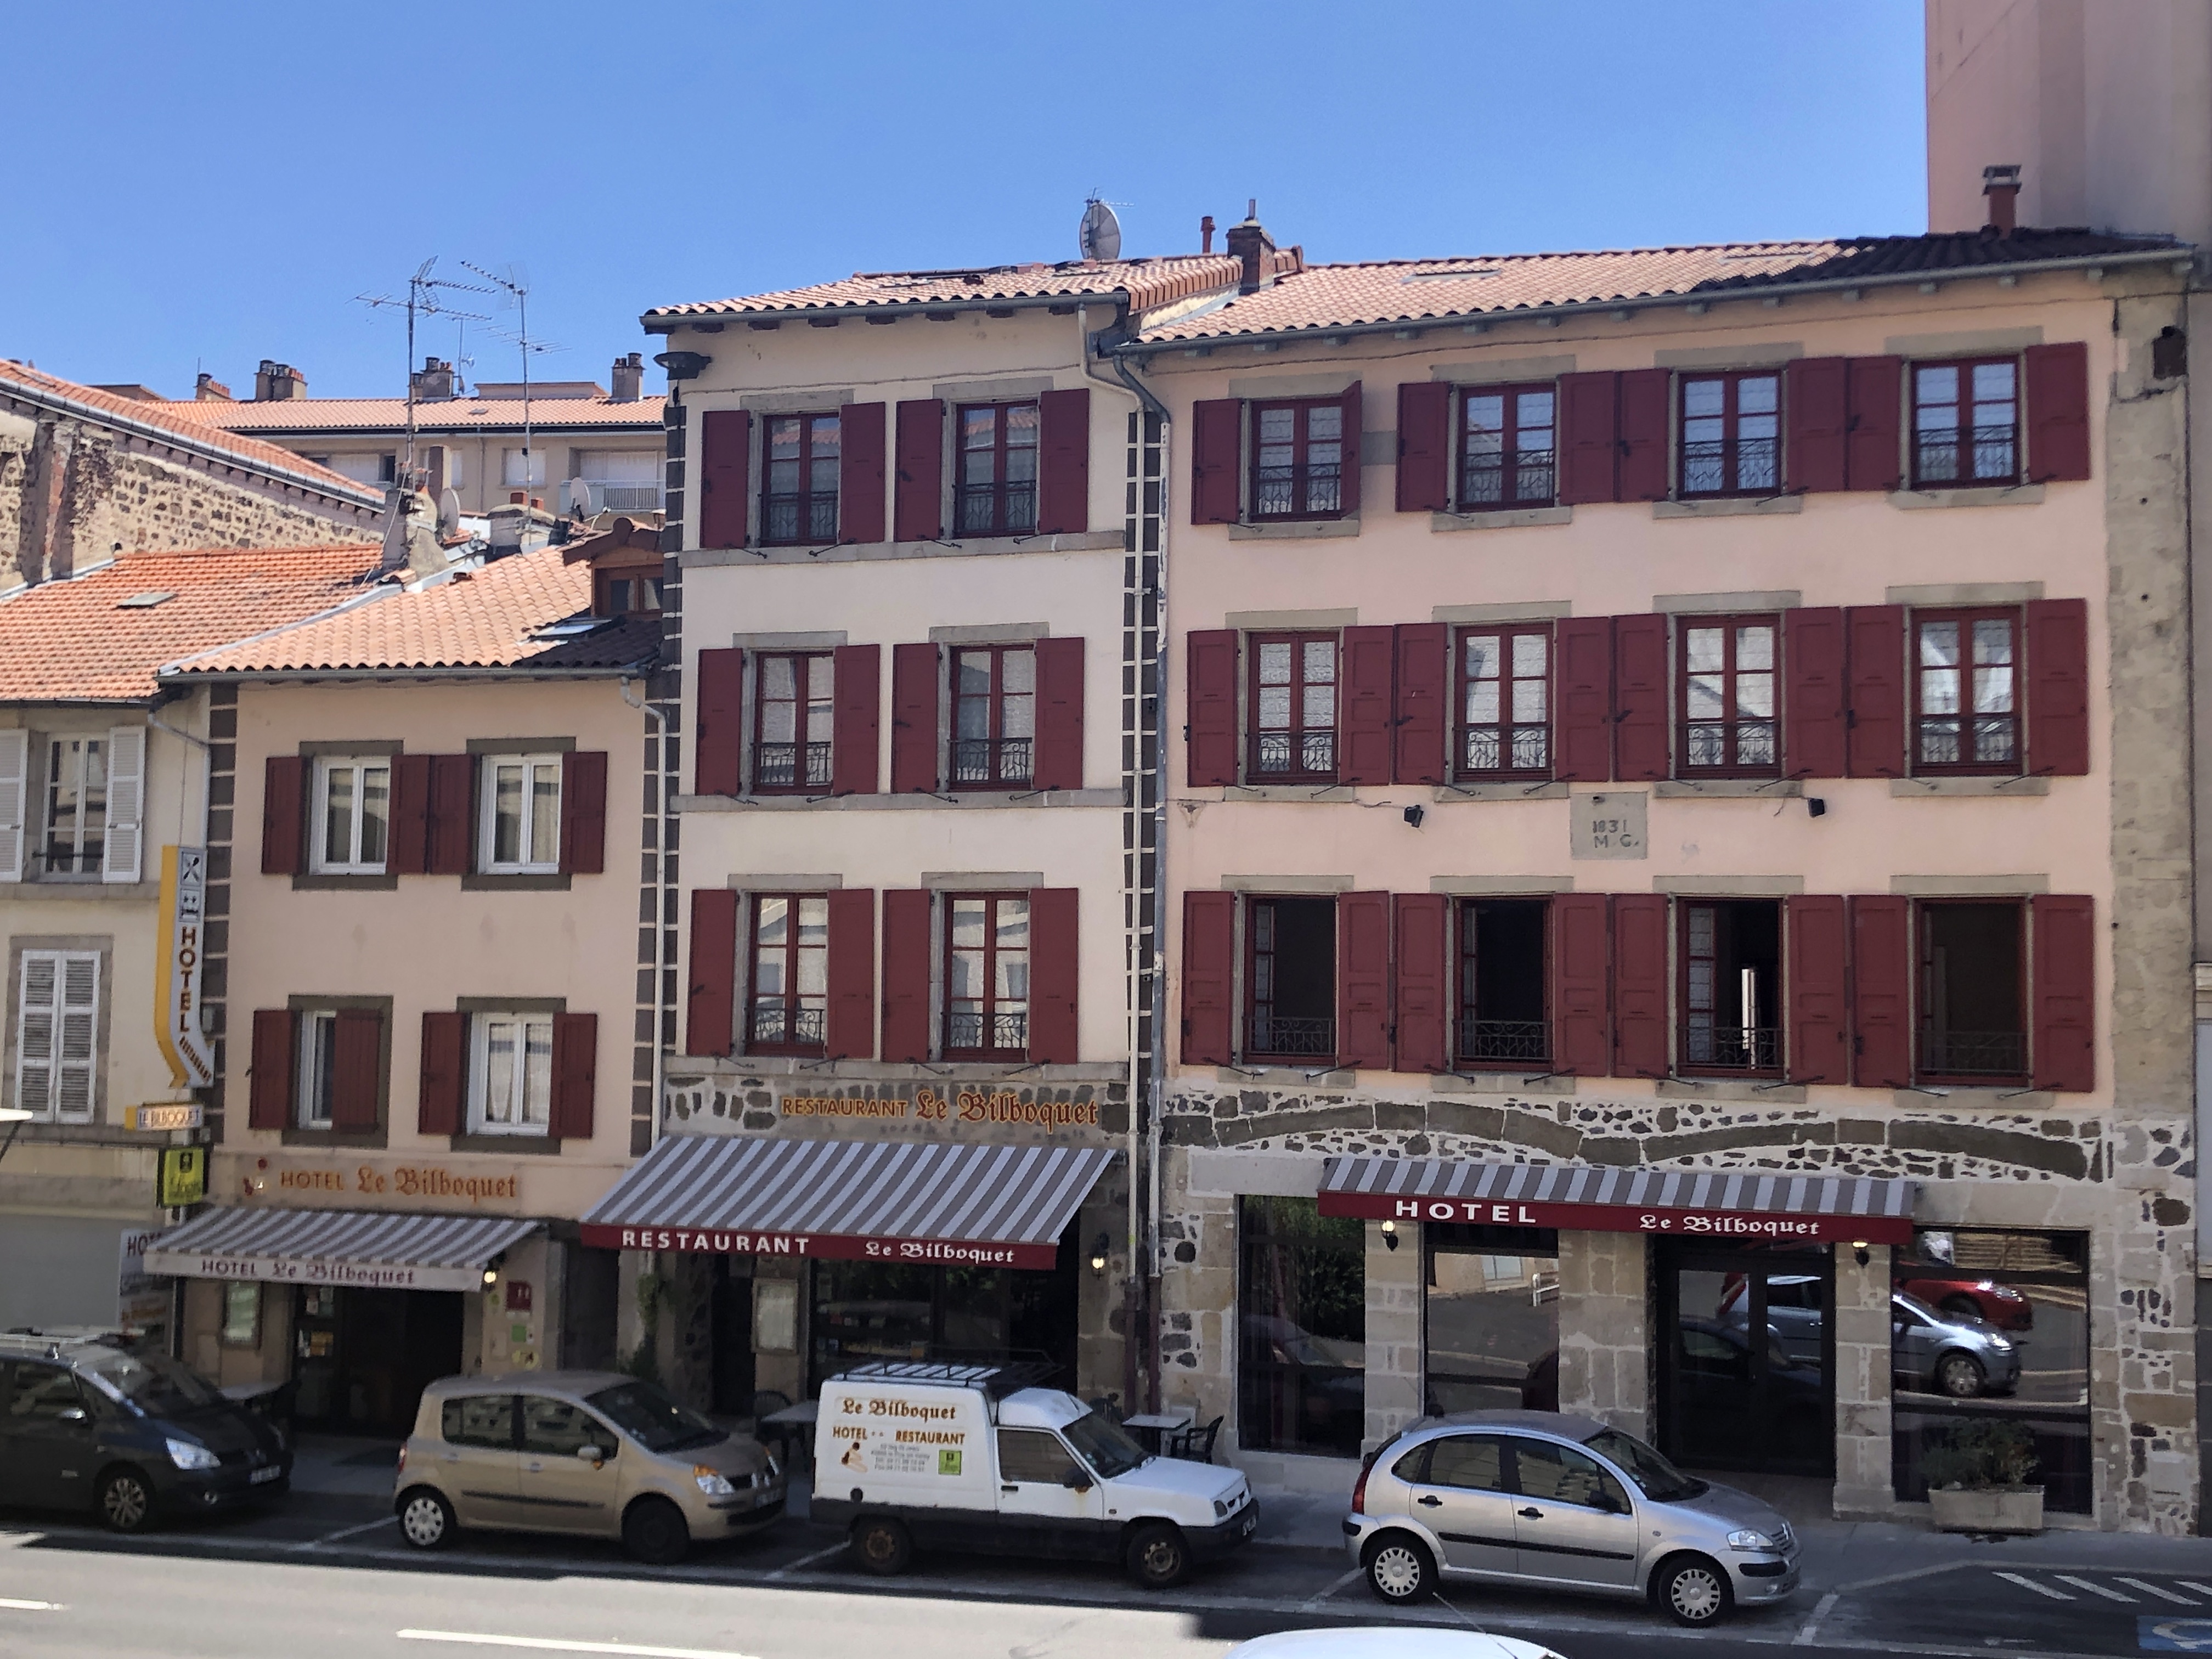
1915	1306
1658	1480
158	1387
652	1420
1105	1446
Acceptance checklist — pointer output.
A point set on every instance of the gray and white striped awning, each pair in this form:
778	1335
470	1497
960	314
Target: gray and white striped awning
1711	1204
887	1200
371	1248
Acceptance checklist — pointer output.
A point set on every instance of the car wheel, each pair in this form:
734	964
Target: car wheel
1694	1591
653	1531
426	1519
126	1501
1157	1557
1399	1569
882	1545
1959	1375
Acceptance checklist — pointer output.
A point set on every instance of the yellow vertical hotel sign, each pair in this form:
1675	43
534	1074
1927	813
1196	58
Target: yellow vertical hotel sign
181	943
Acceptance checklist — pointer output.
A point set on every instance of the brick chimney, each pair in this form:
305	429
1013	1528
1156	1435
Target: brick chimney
275	382
211	390
2002	186
628	378
433	380
1206	234
1250	242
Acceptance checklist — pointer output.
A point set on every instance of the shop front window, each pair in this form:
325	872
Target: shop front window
1490	1306
1302	1320
864	1311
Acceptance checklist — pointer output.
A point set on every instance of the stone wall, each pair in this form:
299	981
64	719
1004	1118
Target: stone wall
1605	1321
1394	1337
1862	1382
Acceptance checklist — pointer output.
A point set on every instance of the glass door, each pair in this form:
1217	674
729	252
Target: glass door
1744	1375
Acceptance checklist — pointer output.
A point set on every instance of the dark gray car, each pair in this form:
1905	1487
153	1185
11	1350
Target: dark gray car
1949	1353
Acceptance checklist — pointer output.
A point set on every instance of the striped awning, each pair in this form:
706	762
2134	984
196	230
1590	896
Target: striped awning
1751	1206
372	1249
876	1200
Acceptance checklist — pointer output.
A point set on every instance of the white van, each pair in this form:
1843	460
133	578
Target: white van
966	1457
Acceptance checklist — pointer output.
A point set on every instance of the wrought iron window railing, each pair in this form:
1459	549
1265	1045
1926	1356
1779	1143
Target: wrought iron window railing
991	760
1732	466
777	1024
1299	492
1295	754
997	509
1505	749
1715	744
1504	1039
1993	452
1273	1034
1001	1032
791	765
1484	478
1969	741
1972	1053
800	516
1732	1047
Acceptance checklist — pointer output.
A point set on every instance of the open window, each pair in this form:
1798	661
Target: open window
1731	986
1972	991
1503	1018
1290	979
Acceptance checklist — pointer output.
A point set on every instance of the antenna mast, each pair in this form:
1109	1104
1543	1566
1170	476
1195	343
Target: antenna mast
422	290
516	283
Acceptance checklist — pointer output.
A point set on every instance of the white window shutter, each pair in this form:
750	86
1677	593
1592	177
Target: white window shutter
34	1033
126	804
80	1032
15	785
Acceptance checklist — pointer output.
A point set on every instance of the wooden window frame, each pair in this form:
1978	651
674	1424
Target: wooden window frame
1732	417
1923	999
989	1016
1303	469
792	1005
1300	749
1967	454
1511	465
1966	620
1004	517
479	1078
808	502
1463	729
1466	1013
319	814
1319	1057
1734	722
1762	1046
811	773
1003	761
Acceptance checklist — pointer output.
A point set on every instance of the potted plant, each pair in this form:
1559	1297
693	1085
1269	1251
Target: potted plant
1977	1479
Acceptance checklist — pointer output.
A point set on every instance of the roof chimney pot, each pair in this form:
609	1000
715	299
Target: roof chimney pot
2002	186
629	378
1250	242
208	390
435	381
1206	234
275	382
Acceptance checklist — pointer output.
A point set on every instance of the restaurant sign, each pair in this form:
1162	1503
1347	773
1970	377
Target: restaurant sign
966	1104
1723	1226
830	1247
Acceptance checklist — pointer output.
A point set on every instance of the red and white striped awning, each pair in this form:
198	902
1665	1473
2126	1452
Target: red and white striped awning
1750	1206
875	1201
371	1248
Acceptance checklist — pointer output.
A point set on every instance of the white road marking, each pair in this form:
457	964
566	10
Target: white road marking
1319	1596
807	1560
554	1645
14	1606
2191	1584
2040	1590
1804	1637
2165	1594
2095	1588
352	1532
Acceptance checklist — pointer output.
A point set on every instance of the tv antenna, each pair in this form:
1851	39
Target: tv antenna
514	281
423	300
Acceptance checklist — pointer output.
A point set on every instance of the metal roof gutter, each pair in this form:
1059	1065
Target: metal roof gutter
425	671
659	323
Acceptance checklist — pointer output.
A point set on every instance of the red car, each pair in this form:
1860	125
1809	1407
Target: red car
1976	1298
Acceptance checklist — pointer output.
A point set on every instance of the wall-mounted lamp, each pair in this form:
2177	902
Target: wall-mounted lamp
1815	807
491	1277
1414	815
1390	1228
1099	1254
1859	1252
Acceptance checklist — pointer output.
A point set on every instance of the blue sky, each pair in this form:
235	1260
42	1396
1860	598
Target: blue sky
203	186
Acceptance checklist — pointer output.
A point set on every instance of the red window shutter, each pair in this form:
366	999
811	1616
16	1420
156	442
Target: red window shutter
1589	453
356	1068
1423	1003
1210	716
1640	985
1354	420
849	1026
710	1006
914	719
1819	1000
276	1063
906	975
1875	452
1366	695
1424	447
1873	717
1209	962
1644	422
1064	462
2063	968
444	1067
918	502
1058	761
283	815
856	716
1581	700
452	822
1881	991
1640	703
1363	981
725	444
2057	387
1813	732
575	1076
1425	698
1816	412
860	472
2058	687
1055	970
1582	973
717	767
584	813
1216	444
410	815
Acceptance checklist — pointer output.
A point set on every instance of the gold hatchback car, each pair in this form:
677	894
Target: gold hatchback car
594	1453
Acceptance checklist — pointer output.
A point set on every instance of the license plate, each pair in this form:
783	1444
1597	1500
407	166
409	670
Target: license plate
263	1477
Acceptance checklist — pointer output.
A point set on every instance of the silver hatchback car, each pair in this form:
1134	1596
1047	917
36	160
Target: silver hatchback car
1551	1500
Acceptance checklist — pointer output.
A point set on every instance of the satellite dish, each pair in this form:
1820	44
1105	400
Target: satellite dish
449	511
1100	233
579	498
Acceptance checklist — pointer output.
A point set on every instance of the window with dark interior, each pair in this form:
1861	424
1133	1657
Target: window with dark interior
1973	997
1729	703
1490	1309
994	717
987	975
1966	423
1290	979
1731	985
1302	1328
793	722
790	973
1299	459
77	805
799	478
631	595
1502	1017
1965	689
1507	455
1731	433
1293	701
998	469
1505	703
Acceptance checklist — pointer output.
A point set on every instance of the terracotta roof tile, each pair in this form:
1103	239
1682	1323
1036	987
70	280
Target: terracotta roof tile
1148	282
444	415
79	640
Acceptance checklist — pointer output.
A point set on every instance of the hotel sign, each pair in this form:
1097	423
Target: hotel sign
177	969
830	1247
311	1270
1746	1226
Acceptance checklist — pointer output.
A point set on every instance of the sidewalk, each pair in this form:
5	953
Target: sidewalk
344	1466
